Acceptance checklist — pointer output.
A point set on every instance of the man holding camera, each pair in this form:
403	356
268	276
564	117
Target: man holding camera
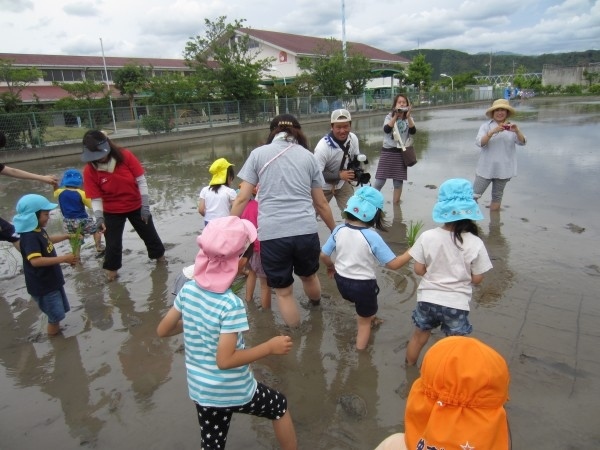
334	152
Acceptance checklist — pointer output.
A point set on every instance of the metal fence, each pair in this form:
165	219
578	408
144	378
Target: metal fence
50	127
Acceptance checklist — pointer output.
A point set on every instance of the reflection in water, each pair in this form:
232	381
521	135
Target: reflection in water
145	358
493	288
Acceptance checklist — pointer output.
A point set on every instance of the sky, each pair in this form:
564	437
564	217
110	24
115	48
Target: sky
161	28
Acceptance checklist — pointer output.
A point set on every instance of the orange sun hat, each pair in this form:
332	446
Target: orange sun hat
458	402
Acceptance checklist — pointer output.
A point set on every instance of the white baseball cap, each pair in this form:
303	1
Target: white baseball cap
341	116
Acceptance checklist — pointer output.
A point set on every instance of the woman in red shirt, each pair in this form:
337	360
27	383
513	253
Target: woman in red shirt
114	179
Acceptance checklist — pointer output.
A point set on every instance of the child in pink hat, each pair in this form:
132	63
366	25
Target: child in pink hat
212	319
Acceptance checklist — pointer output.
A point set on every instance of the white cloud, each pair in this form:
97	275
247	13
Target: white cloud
161	29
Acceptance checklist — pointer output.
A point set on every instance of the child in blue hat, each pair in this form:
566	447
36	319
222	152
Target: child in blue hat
73	201
43	275
450	259
359	249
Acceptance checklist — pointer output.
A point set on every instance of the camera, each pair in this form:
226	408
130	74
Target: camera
506	126
356	164
402	110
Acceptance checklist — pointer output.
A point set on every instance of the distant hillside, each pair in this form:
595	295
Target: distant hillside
455	62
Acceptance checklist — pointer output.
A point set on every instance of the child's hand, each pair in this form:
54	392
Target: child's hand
330	271
71	259
280	345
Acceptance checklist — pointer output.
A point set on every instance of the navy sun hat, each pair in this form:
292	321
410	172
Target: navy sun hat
26	219
72	178
364	203
455	202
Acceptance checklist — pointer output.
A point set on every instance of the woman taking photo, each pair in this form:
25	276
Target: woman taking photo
114	179
391	162
497	138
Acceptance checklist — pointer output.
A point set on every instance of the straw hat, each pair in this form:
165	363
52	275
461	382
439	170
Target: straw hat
500	104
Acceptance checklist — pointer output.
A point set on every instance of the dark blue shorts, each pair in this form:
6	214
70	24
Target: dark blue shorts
453	322
7	231
284	256
363	293
54	304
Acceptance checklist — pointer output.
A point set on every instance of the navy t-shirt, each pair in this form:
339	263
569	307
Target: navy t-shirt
40	280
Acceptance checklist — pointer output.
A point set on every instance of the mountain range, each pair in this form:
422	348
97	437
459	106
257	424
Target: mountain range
456	62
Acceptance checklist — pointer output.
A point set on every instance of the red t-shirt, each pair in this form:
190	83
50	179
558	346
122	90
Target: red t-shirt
118	190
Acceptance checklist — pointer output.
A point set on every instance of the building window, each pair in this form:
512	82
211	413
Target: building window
53	75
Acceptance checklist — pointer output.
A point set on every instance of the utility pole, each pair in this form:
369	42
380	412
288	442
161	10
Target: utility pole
112	111
344	29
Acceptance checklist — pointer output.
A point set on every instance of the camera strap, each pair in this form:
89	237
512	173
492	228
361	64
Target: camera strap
345	148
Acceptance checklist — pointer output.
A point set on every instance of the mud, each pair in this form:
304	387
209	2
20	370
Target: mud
110	383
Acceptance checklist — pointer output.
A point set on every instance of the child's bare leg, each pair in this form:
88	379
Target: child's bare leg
416	343
98	241
53	329
285	432
250	284
364	332
265	293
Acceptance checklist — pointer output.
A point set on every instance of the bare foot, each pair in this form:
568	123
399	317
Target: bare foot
376	322
111	275
54	329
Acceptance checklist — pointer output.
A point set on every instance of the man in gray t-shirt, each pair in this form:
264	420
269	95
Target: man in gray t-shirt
289	192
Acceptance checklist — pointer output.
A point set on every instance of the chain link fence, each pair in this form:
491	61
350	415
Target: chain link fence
50	127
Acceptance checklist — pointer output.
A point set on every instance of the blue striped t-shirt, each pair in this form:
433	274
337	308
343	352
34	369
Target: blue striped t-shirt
205	316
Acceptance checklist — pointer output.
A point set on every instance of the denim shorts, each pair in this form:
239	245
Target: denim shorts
453	322
54	304
283	256
363	293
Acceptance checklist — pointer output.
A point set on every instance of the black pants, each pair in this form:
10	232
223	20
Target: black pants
115	224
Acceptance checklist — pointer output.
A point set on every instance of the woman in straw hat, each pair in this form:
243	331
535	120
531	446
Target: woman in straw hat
497	139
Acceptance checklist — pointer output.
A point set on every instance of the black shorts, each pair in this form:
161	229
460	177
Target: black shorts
363	293
283	256
7	232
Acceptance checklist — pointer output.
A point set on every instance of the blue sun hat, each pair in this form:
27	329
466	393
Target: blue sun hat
364	203
26	219
72	178
455	202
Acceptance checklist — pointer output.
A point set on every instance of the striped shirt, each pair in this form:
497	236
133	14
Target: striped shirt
205	316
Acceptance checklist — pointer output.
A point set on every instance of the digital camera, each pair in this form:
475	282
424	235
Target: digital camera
402	110
356	164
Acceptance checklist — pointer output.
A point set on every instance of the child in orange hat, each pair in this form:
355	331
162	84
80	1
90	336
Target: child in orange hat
458	402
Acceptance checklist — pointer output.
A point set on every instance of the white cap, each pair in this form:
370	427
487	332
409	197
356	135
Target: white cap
341	116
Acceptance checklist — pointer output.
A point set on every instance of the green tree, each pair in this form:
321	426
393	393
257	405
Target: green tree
16	79
130	80
174	88
226	62
83	91
419	72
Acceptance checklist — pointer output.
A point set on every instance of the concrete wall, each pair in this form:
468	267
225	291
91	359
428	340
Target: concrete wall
564	76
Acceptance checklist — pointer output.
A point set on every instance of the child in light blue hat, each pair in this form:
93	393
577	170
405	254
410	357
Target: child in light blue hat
41	265
359	250
73	202
450	259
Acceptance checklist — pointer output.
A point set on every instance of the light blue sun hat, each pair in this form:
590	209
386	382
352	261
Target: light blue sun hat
364	203
26	219
455	202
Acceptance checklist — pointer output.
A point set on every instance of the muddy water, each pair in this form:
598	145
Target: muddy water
109	382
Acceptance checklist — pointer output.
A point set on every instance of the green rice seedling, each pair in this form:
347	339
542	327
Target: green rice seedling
413	231
76	240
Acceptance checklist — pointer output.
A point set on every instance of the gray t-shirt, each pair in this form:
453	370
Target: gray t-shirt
285	185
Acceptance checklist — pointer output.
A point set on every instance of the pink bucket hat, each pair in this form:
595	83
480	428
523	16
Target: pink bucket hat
221	244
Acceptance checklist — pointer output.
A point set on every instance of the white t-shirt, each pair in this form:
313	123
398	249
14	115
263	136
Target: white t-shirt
218	204
358	251
447	281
